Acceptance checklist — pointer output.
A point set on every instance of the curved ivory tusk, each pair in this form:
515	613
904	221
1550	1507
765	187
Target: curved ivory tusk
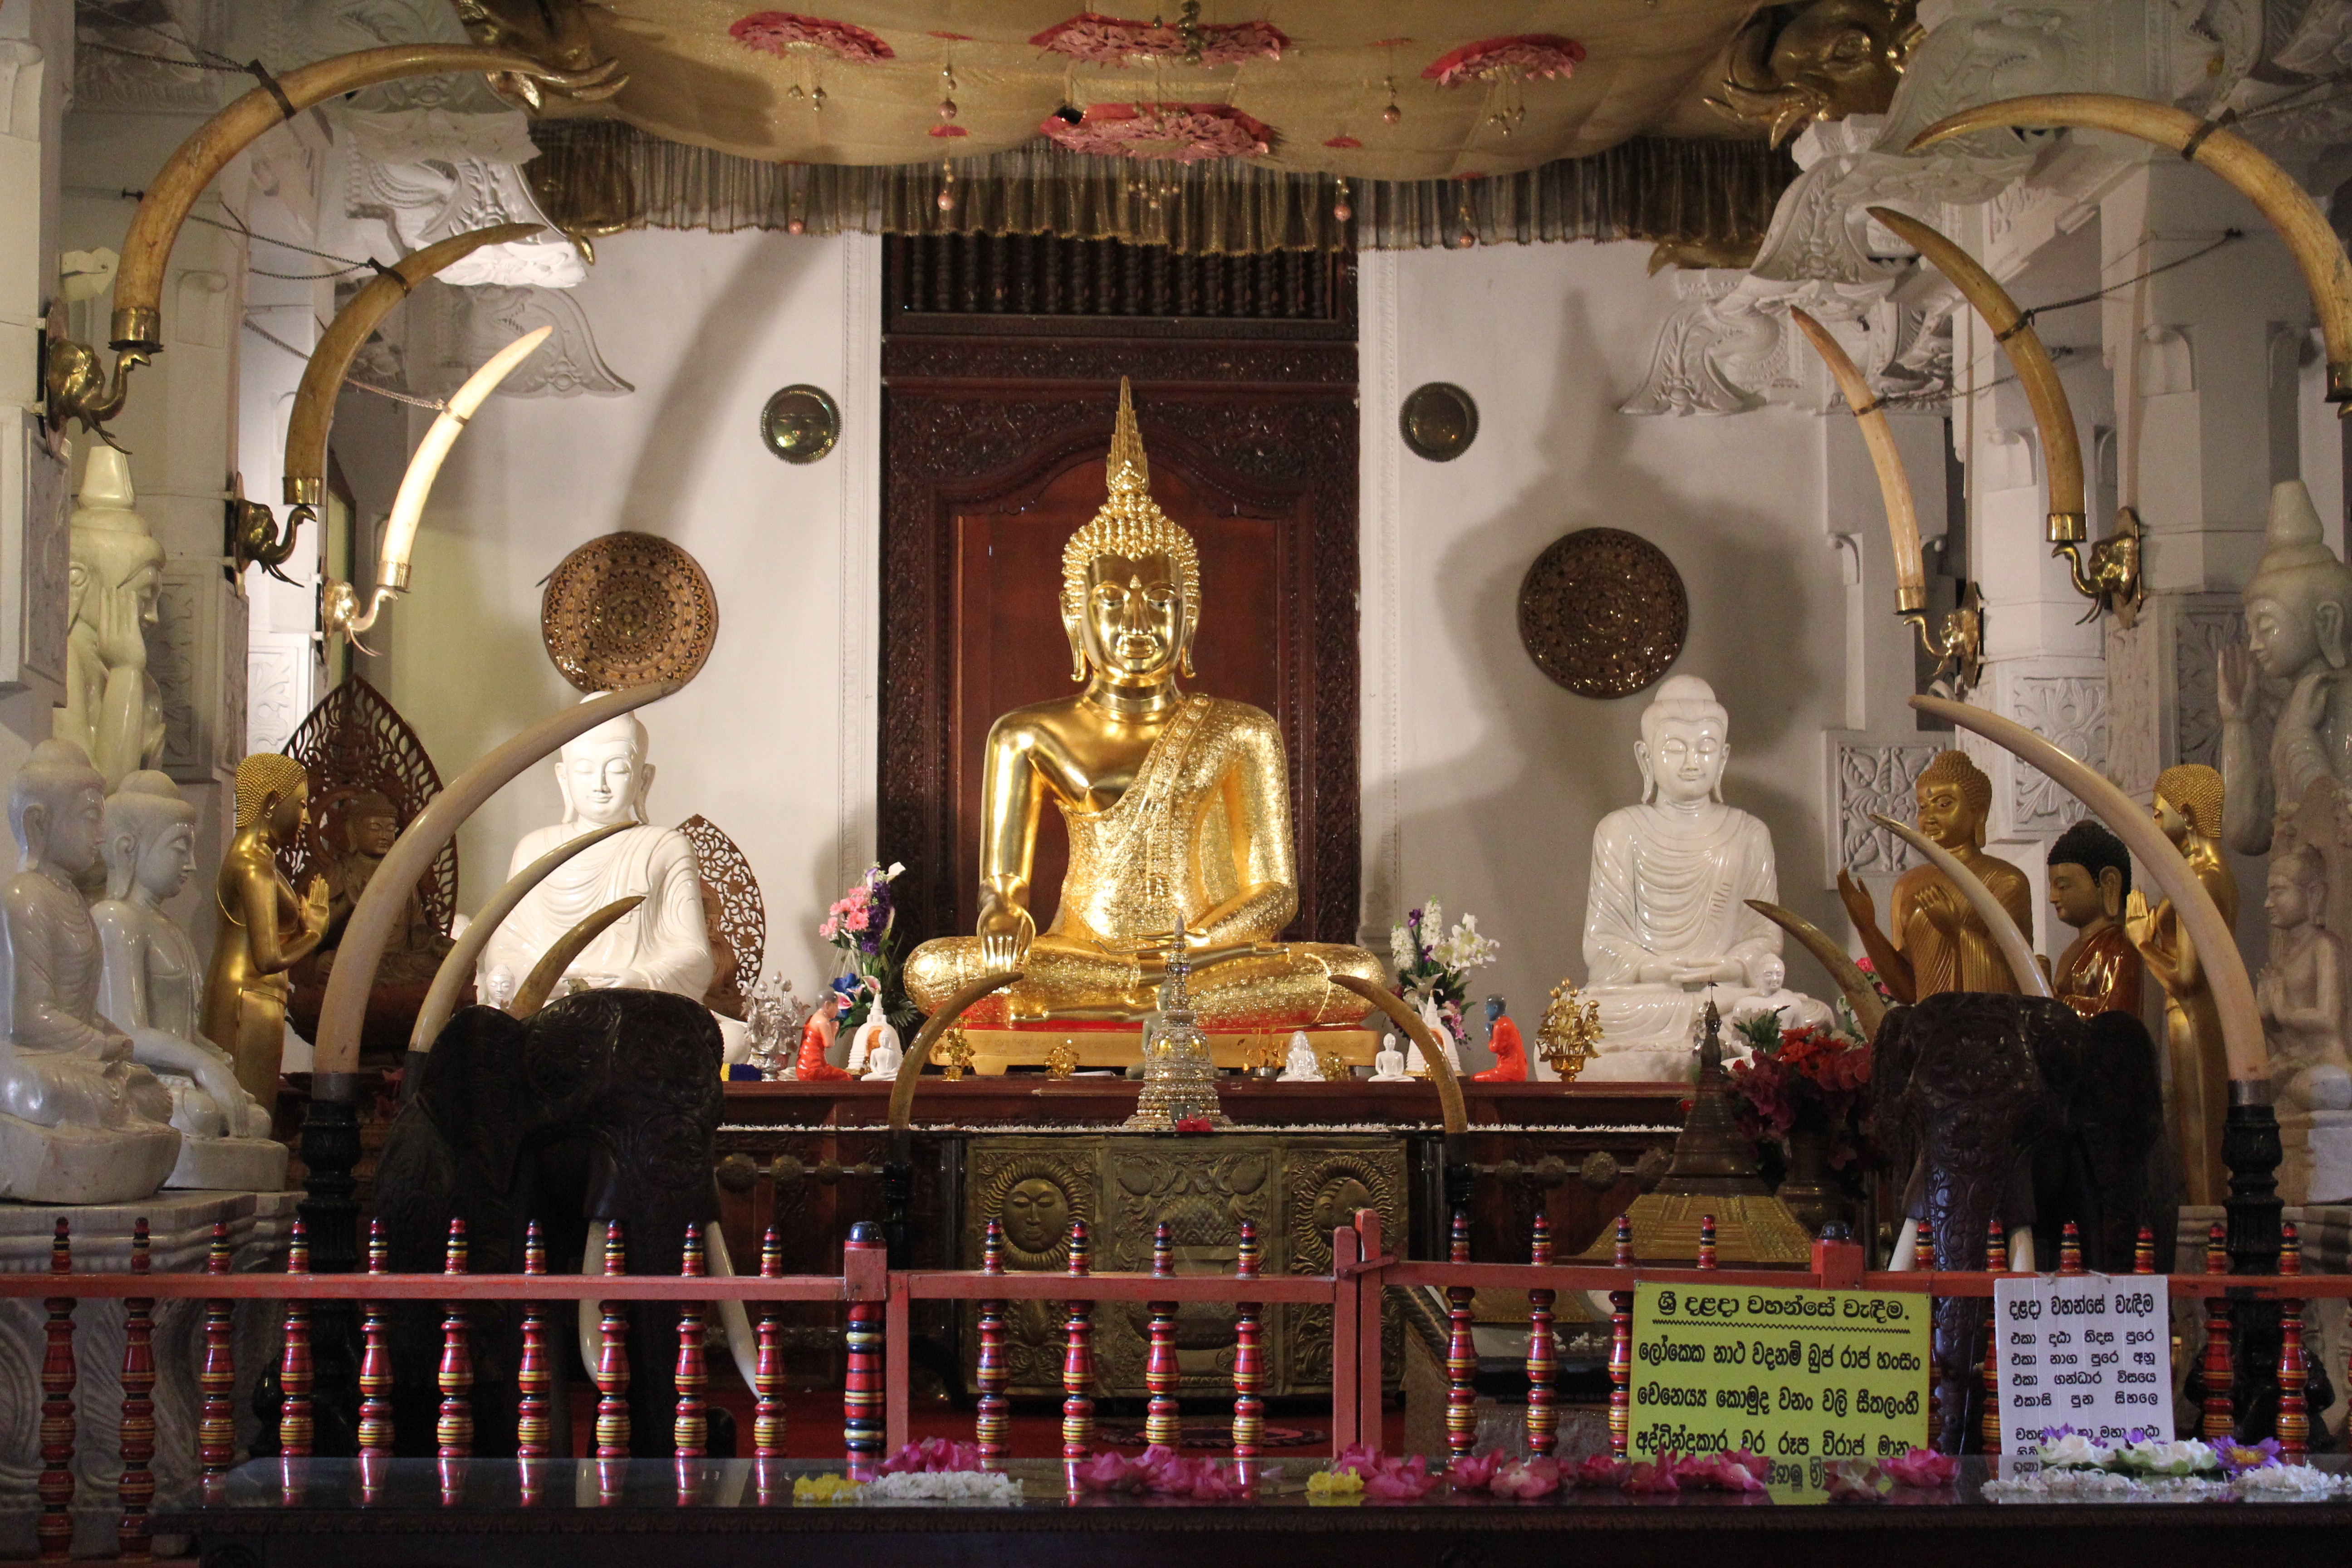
424	466
902	1088
1894	482
1440	1070
733	1315
2217	947
2011	942
2297	217
441	1000
1852	982
322	377
138	323
2062	450
544	975
344	1010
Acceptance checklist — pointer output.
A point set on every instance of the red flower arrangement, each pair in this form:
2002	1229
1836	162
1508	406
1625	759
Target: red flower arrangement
1185	132
1525	57
1110	41
1814	1078
774	32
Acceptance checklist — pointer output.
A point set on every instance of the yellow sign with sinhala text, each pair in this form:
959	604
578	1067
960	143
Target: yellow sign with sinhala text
1795	1375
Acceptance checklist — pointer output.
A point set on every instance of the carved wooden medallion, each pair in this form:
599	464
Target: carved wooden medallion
626	610
1602	612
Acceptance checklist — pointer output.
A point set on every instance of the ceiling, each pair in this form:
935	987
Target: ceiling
1311	81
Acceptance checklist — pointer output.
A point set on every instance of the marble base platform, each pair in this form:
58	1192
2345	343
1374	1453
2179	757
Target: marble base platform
229	1165
180	1228
82	1164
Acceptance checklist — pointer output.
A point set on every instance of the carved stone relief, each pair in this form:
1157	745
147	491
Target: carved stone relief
33	645
2203	632
464	327
124	65
198	641
1877	780
2070	710
276	686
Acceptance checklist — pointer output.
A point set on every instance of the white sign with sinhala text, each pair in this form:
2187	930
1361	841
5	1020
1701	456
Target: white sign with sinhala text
2093	1352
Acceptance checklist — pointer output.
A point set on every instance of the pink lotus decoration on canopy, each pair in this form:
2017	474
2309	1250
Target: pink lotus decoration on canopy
775	32
1525	57
1183	132
1110	41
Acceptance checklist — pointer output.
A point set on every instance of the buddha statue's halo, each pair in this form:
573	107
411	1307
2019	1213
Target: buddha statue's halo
1681	698
1129	524
261	776
2299	572
146	804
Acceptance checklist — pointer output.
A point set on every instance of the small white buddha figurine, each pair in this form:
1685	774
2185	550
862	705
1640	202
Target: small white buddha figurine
661	945
883	1057
1666	919
1300	1066
149	985
80	1121
1389	1063
113	710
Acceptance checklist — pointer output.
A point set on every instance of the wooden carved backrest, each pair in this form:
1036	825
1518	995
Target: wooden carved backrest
733	915
355	743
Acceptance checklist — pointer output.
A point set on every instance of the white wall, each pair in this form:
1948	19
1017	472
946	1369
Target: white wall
1483	780
774	740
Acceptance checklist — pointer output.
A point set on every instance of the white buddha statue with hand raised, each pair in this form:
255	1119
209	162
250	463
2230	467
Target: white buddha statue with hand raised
1666	922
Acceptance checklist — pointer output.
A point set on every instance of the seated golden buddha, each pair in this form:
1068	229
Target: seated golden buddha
1178	806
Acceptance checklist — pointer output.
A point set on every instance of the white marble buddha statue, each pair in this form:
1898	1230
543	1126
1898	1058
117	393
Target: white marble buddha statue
662	944
2299	640
1666	923
150	987
80	1121
113	710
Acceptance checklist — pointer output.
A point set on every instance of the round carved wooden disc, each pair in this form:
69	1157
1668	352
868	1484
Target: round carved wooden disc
1602	612
625	610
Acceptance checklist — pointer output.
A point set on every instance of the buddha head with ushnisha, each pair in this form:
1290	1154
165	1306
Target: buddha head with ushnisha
1131	577
2090	875
273	794
150	839
113	556
54	810
2299	603
1686	741
603	773
1954	798
2188	805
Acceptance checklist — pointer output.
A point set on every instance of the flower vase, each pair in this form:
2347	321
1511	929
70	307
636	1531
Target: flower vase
1810	1193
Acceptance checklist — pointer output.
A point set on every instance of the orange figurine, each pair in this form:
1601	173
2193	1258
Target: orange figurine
816	1039
1503	1039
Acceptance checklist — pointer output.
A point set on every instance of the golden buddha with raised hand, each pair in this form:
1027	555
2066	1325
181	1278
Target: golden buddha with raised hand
1178	807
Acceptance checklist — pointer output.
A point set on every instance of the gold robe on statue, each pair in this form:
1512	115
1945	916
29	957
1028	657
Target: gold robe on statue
1165	848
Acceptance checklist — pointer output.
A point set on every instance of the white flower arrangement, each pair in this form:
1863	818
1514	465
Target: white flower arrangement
990	1488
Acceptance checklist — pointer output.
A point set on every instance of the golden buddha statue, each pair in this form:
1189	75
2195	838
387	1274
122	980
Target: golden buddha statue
264	930
1939	942
2187	806
1178	807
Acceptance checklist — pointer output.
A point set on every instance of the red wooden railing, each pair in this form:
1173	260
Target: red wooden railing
880	1302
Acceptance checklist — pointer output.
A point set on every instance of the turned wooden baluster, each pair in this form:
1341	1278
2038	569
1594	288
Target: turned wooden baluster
1078	1356
1543	1359
1989	1418
1707	1241
768	1367
453	1431
861	1397
2070	1250
2144	1251
375	1359
1461	1354
295	1429
1161	1423
989	1377
1249	1357
138	1487
55	1531
612	1372
2220	1422
217	1427
2294	1370
533	1437
1923	1261
690	1428
1621	1347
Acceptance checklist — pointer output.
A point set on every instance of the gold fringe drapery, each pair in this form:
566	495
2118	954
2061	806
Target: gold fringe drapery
1712	198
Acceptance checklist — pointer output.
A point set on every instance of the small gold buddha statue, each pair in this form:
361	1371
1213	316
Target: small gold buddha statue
264	930
1178	807
2188	805
1939	942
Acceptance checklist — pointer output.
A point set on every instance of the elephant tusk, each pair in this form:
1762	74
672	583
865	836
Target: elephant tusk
2061	448
1451	1111
733	1315
441	999
2012	941
1852	982
541	981
1894	482
416	483
2300	223
902	1088
2234	991
343	1013
137	320
1906	1249
322	377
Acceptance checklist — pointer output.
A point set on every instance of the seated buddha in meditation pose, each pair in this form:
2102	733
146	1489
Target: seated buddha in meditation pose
1666	922
1178	806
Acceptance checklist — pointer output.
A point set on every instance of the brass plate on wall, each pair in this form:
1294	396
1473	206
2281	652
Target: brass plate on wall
801	424
1602	612
625	610
1439	421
